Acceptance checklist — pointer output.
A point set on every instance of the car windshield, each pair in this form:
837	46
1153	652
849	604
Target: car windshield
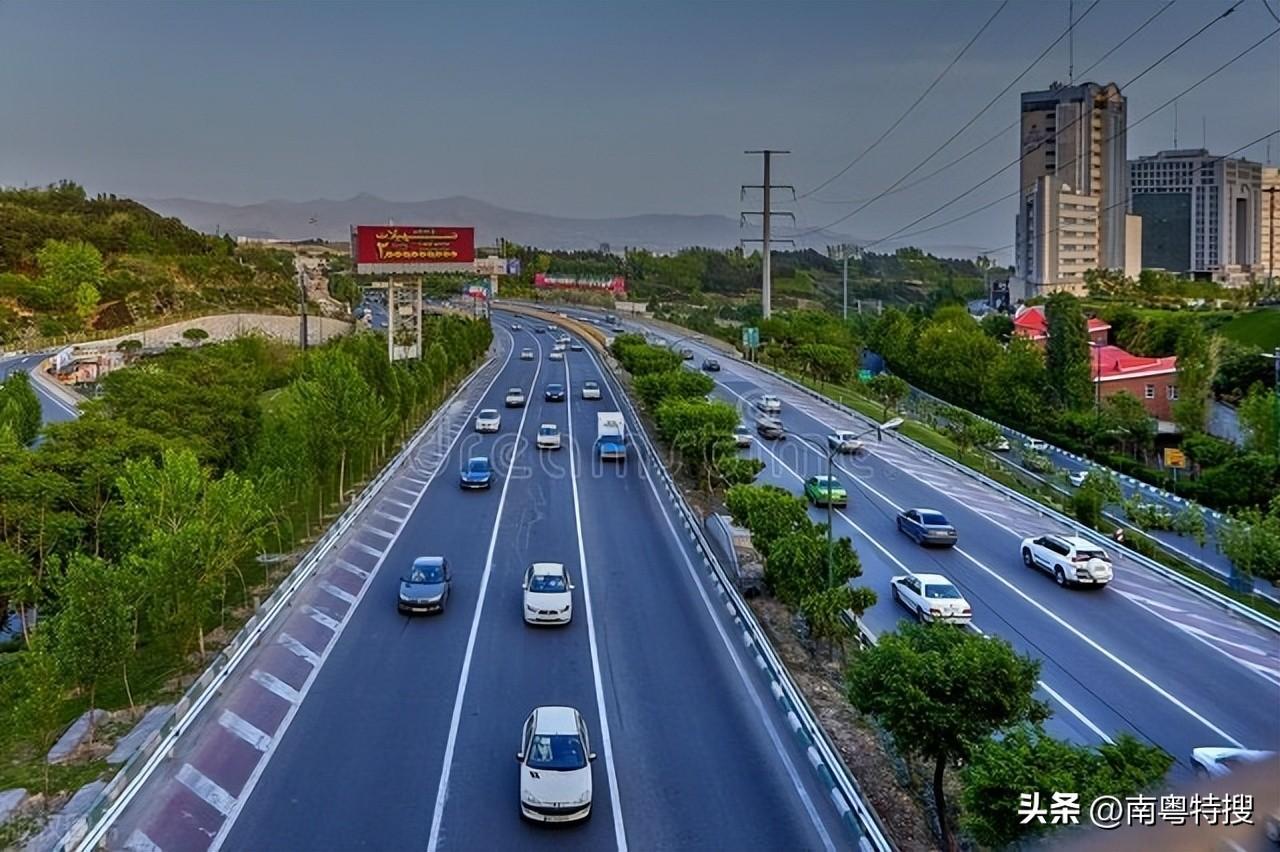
515	392
488	413
554	388
933	519
425	574
547	430
556	751
940	591
824	482
547	583
478	466
1084	553
590	385
742	430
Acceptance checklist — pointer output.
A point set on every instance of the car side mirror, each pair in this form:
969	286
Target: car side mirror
524	586
591	756
571	587
519	756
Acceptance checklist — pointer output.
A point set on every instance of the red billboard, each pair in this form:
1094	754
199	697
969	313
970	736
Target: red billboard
616	284
412	249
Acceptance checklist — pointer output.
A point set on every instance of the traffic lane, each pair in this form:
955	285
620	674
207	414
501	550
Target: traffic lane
1151	646
694	724
516	667
362	754
52	408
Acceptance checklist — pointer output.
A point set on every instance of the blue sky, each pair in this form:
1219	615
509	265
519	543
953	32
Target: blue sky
585	109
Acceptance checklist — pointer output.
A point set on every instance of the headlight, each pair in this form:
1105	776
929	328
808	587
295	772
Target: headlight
530	608
565	608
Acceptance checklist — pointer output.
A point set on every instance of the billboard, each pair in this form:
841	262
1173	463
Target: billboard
412	249
616	284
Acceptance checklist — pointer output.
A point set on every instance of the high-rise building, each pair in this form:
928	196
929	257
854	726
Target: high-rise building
1269	233
1075	137
1200	214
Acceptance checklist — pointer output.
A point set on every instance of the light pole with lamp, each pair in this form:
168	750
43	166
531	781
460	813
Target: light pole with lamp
831	449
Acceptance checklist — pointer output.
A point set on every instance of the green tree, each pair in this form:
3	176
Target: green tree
731	469
826	362
340	408
941	692
130	347
65	266
1018	381
1190	522
998	326
18	585
967	431
653	388
195	335
700	431
93	630
1124	415
20	407
37	708
85	300
1027	760
1099	490
1068	362
824	612
1197	362
888	390
768	511
1259	414
1251	540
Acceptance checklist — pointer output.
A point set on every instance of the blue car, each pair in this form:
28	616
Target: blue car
554	393
478	473
927	526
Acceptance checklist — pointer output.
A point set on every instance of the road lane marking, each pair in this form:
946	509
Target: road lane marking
139	842
321	617
446	768
341	594
246	731
298	648
379	531
606	740
360	545
348	566
206	788
388	516
276	685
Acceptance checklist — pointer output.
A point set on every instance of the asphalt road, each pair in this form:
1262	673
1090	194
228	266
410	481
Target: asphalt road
53	408
403	731
1142	655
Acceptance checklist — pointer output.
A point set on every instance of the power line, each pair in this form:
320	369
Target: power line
1267	6
910	109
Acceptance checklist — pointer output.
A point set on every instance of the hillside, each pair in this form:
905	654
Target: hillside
71	264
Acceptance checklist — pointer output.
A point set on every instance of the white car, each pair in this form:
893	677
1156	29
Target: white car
1077	477
555	766
526	354
548	594
1037	446
1000	445
844	442
769	404
515	398
741	436
931	597
1217	762
515	326
590	390
556	355
488	420
548	437
1070	559
559	346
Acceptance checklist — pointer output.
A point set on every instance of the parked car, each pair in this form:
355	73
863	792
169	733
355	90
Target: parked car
1069	559
514	398
526	354
424	587
590	389
548	436
822	490
711	365
488	420
1036	445
1217	762
931	597
477	473
555	766
770	427
769	404
742	436
554	392
927	526
844	442
548	594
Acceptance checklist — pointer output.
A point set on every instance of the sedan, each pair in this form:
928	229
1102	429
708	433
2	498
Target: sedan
539	329
526	354
711	365
931	597
1037	446
590	389
769	404
555	766
425	586
844	442
548	436
488	420
1217	762
556	355
554	393
478	473
1077	477
515	398
575	346
515	326
548	594
825	491
927	526
741	436
771	428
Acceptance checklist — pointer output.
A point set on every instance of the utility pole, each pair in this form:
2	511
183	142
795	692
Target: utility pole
302	304
767	214
842	253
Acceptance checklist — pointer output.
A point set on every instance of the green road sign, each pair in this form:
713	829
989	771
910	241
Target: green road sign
864	375
750	337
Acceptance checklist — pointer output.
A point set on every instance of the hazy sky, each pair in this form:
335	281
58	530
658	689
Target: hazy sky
591	108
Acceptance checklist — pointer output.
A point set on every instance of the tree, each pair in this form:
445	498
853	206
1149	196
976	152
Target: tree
768	511
340	408
1251	540
824	612
1190	522
998	326
1124	415
1068	363
888	390
195	335
1259	415
698	430
1108	282
826	362
968	431
1027	760
130	347
37	710
1018	381
66	266
1098	491
653	388
20	407
18	585
85	300
941	692
1197	362
731	469
93	630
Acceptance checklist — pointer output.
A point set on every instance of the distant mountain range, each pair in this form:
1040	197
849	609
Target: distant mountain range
330	220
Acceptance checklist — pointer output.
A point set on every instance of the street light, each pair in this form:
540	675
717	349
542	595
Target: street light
830	451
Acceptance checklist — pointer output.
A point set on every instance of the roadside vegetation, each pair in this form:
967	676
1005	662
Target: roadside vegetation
135	539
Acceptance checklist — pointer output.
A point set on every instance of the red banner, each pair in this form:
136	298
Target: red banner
395	247
616	285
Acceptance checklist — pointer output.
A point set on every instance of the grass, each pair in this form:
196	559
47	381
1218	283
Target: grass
1259	328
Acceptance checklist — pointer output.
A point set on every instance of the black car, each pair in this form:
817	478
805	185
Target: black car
539	329
927	526
686	354
554	393
425	586
575	346
478	473
711	365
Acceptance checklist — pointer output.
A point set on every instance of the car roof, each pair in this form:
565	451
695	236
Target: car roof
922	509
425	561
1077	541
555	720
514	390
549	569
485	411
823	477
474	459
548	426
933	578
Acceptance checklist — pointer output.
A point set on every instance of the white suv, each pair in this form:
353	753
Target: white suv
555	766
769	404
1069	558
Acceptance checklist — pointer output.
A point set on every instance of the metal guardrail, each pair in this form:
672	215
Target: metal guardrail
855	811
89	829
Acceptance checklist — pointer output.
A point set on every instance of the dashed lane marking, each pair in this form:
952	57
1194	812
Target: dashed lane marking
206	788
341	594
360	545
276	685
321	617
246	731
299	649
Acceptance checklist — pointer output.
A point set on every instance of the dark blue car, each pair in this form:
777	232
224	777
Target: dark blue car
478	473
927	526
425	586
554	393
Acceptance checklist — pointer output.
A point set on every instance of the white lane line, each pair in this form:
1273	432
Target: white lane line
354	569
139	842
341	594
379	531
606	740
321	617
245	730
297	699
446	768
298	648
395	502
276	685
360	545
1071	708
404	490
390	517
205	787
747	681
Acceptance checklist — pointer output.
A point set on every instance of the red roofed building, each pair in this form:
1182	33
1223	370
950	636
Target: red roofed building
1152	380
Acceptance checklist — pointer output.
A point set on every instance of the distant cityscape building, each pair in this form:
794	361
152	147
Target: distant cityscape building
1201	214
1073	205
1269	233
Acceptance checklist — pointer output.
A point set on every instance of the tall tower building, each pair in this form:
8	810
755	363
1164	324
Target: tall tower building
1269	242
1075	137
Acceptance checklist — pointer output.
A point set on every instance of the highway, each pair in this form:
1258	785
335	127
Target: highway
53	408
357	727
1142	655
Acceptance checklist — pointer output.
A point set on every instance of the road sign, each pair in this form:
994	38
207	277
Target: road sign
513	266
1174	458
751	337
864	375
